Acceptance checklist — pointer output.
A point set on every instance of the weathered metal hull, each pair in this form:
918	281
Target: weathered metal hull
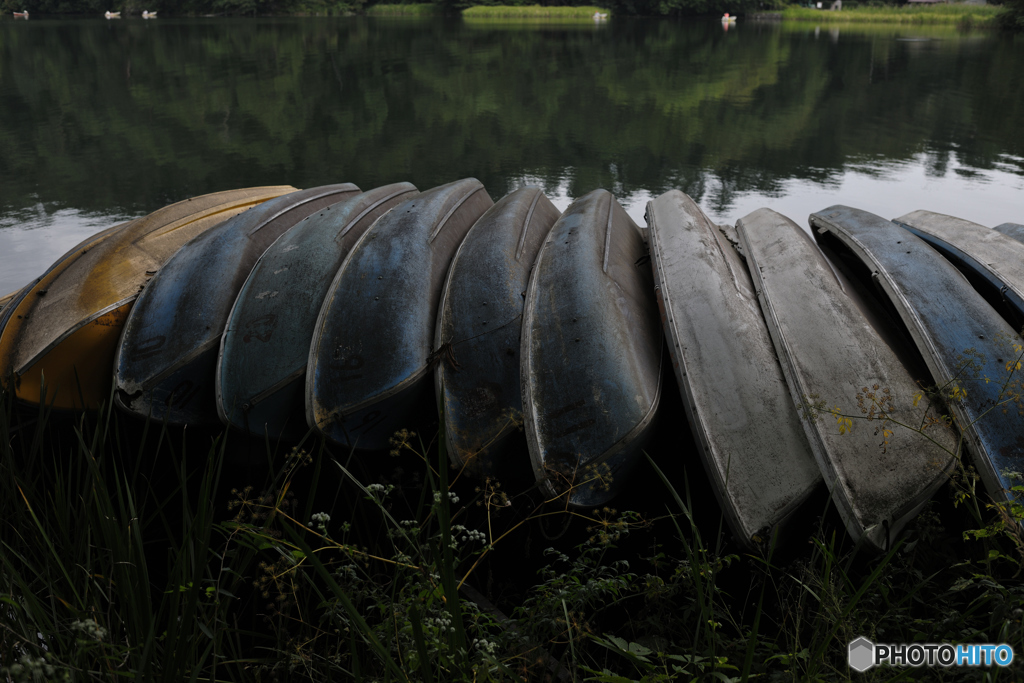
995	258
1014	230
369	358
67	324
591	352
8	298
833	358
261	371
167	358
738	404
479	328
962	338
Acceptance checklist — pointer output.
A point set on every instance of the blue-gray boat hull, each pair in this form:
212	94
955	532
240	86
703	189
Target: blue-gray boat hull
165	366
371	348
265	348
479	329
591	352
990	259
962	338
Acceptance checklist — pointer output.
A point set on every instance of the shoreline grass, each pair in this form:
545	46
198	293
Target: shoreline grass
127	552
981	16
412	10
531	12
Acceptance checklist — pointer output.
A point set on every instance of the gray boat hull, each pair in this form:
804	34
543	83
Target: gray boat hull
982	253
1014	230
834	360
964	341
738	404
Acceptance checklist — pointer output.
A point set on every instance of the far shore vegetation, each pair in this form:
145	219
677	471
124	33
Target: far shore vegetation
532	12
944	13
1005	13
419	9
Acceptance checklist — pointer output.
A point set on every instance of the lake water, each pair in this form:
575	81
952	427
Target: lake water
105	120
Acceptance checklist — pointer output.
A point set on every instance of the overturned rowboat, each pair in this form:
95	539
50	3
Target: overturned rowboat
479	329
591	352
740	411
992	261
66	326
369	361
261	370
167	357
970	350
836	364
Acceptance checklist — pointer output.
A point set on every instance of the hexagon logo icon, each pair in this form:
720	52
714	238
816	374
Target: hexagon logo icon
861	654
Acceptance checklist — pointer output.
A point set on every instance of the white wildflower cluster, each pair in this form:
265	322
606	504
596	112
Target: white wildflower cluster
320	520
380	491
90	629
485	646
452	497
461	534
30	669
442	623
474	536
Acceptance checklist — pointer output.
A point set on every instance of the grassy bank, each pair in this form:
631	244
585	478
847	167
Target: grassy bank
155	554
953	14
531	12
416	10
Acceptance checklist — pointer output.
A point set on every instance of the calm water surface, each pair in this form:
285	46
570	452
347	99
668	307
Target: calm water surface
101	121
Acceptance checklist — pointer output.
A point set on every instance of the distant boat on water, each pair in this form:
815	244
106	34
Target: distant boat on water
148	15
21	15
112	15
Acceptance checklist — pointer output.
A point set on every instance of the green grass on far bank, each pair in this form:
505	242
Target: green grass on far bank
531	12
958	14
416	10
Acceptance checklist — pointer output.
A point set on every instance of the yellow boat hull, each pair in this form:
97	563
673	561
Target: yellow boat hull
60	337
